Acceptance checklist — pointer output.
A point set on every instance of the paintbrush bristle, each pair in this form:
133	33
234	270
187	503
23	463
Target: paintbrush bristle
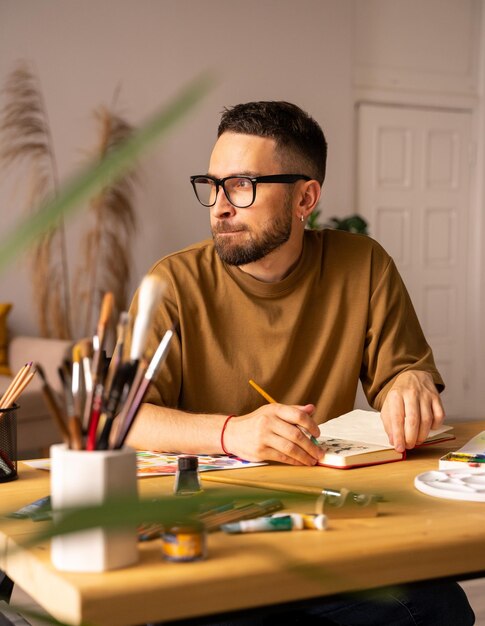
86	348
151	290
123	324
150	293
76	353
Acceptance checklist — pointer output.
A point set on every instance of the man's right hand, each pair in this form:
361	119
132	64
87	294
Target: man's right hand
273	433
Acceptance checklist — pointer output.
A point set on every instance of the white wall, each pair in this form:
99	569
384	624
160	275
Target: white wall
431	54
259	49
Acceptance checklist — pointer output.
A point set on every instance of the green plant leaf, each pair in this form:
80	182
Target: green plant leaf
129	511
97	176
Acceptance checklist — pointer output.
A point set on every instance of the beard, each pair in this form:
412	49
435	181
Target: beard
256	245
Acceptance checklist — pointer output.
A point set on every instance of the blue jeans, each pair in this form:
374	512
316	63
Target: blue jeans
417	604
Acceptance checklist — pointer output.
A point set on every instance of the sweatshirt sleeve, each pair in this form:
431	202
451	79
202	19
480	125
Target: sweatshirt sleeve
394	340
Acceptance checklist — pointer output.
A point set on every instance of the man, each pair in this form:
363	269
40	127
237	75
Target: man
303	313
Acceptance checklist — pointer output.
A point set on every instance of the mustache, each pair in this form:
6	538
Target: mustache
226	227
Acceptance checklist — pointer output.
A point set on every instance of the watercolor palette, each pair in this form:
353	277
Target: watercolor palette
454	484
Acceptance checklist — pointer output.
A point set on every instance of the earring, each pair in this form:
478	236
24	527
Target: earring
302	218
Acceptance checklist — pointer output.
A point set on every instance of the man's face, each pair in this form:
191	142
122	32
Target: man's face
242	236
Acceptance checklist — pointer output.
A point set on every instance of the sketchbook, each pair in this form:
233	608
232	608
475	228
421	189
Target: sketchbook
358	438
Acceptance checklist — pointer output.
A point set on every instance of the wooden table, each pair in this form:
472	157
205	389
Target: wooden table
414	537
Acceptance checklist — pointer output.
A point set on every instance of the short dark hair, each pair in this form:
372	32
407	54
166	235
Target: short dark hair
297	135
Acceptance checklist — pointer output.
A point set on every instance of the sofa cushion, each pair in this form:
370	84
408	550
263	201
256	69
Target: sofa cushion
36	429
4	366
49	353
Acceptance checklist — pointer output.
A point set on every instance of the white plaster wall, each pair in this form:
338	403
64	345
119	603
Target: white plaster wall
259	49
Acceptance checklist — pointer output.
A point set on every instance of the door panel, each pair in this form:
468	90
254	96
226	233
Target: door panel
414	189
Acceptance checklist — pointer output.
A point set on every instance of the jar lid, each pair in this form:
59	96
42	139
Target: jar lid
188	526
188	463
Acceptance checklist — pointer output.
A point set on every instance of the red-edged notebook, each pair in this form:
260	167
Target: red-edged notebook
358	438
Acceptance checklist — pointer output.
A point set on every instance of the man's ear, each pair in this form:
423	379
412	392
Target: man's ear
308	197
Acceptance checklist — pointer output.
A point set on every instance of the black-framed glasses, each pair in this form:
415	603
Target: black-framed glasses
239	190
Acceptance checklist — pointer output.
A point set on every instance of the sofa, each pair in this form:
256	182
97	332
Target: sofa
36	429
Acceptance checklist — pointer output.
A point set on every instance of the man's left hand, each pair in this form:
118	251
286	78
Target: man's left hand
411	408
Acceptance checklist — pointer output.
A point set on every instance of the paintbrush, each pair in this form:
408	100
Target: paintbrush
126	404
73	421
86	350
150	293
52	405
98	360
117	359
246	511
76	380
120	375
152	370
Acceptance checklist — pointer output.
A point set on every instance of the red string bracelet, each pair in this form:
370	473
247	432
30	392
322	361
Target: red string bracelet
222	435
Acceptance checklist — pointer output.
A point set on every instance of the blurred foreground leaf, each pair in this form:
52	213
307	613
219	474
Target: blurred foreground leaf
12	611
167	510
94	178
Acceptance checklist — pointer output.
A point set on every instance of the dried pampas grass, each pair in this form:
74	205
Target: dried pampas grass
105	262
27	142
106	257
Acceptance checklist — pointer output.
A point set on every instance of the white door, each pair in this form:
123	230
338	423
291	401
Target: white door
413	173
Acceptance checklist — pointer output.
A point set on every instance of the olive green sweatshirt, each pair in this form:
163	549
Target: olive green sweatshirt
342	314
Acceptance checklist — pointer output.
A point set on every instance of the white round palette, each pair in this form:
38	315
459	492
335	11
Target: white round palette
455	484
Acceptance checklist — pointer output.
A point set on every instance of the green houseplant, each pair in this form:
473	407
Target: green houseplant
353	223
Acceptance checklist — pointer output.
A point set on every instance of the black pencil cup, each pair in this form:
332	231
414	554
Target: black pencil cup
8	444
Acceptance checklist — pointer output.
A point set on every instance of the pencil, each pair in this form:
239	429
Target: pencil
22	381
267	397
73	420
8	397
10	388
